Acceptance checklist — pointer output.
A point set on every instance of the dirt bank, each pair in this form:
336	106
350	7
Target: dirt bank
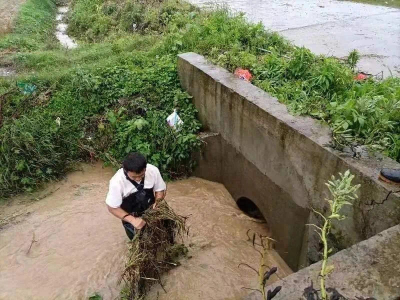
78	247
8	11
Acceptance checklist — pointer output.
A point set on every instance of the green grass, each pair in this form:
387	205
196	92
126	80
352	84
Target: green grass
113	93
389	3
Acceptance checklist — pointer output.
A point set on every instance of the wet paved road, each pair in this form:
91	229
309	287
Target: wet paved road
331	27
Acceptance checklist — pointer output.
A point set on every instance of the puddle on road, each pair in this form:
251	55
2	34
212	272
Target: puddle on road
330	28
6	72
61	30
67	245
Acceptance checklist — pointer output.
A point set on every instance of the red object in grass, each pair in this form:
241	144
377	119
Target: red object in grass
361	76
243	74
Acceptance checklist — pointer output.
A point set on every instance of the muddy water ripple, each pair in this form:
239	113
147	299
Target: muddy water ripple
67	245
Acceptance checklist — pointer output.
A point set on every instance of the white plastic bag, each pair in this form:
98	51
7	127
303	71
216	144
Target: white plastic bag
173	120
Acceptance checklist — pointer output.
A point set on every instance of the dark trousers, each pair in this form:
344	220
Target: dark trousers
129	229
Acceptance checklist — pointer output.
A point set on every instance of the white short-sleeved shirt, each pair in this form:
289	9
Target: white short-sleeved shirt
120	187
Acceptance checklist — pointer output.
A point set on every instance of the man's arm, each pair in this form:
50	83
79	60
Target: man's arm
138	223
114	201
160	189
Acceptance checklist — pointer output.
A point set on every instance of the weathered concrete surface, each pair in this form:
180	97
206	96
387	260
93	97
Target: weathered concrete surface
331	27
291	153
368	269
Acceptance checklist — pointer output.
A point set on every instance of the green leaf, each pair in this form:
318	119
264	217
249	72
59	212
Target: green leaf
21	165
96	296
140	123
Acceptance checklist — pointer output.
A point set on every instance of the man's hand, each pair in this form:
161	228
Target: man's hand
138	223
159	196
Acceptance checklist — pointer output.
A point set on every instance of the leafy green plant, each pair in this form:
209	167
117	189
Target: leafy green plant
96	296
343	193
113	93
103	112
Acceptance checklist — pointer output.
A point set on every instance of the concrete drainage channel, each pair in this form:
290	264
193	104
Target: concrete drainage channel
279	162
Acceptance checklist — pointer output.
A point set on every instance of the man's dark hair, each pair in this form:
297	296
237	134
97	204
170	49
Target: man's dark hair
134	162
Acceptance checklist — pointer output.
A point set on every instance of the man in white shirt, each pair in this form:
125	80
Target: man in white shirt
133	189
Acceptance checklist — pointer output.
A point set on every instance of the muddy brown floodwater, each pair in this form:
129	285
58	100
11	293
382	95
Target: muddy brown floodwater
67	246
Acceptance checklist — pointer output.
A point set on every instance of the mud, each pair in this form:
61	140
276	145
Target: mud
8	11
66	245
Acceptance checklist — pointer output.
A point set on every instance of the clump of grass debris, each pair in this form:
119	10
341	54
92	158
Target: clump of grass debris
153	251
264	273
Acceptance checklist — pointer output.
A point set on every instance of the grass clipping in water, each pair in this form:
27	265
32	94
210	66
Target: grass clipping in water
153	250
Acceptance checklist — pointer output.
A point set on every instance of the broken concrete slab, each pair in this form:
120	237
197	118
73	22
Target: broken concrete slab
367	269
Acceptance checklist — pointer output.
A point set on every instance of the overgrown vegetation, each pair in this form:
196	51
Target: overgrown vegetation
113	93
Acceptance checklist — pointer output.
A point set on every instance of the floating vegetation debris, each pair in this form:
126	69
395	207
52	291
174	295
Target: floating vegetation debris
153	251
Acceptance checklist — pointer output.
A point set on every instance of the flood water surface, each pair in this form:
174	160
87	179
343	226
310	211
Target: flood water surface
78	247
67	245
61	29
218	233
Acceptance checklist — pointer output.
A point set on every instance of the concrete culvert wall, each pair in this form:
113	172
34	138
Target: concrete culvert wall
281	162
221	162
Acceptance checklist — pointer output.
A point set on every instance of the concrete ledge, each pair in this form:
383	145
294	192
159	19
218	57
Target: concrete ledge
292	153
368	269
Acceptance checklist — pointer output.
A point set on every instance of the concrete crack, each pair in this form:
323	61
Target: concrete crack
373	202
365	228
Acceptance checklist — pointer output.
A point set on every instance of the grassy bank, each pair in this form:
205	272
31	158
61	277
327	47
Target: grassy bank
113	93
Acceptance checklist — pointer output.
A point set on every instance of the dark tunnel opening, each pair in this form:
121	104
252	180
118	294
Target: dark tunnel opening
249	208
